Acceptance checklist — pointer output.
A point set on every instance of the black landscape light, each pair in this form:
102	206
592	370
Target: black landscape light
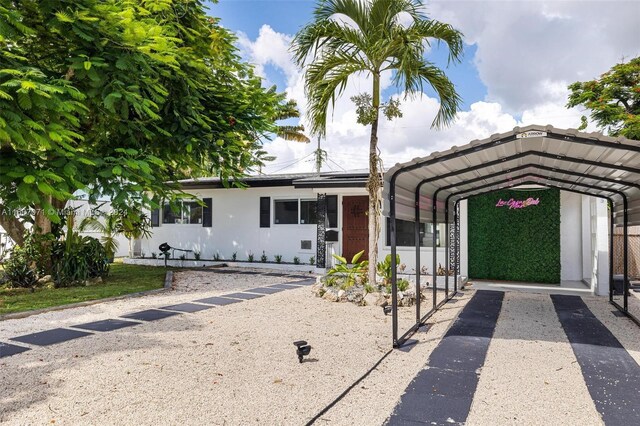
303	349
386	309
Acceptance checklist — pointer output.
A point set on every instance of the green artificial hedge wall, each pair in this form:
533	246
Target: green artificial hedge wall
515	244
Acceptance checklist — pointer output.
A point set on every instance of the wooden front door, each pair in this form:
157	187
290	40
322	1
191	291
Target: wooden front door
355	226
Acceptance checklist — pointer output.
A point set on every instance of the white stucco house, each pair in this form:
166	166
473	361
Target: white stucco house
309	216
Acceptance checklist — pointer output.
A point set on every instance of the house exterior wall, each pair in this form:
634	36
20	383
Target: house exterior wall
570	236
236	227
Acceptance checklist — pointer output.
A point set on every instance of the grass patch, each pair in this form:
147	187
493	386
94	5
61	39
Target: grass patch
122	279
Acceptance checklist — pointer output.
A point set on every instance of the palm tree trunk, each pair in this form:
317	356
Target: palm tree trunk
373	186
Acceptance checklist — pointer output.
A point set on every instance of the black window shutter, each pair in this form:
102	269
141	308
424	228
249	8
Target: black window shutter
155	218
207	213
265	212
332	211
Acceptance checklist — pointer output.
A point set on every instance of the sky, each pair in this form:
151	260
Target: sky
519	58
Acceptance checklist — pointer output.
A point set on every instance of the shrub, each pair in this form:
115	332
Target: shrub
70	262
346	274
278	258
78	259
183	257
250	257
384	268
296	260
234	256
263	258
402	285
154	255
196	255
216	256
312	260
19	269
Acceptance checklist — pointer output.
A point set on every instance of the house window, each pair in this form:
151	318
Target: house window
405	234
308	212
286	212
189	212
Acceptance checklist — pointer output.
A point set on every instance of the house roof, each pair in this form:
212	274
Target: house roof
351	179
588	163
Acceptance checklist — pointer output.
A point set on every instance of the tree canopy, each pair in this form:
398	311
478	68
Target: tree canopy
613	99
116	98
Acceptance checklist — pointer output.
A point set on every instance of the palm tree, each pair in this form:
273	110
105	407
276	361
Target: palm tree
349	37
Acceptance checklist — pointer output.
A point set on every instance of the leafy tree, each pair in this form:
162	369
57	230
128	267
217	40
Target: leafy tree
613	99
349	37
115	98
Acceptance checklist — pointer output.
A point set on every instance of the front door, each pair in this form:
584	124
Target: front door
355	226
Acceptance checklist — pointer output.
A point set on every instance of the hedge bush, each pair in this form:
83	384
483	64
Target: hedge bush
515	244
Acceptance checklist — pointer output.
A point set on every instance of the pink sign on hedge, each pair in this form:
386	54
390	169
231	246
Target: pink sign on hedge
518	204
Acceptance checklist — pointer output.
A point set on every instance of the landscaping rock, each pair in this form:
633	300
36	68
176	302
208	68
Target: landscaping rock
331	294
45	280
342	295
355	295
371	299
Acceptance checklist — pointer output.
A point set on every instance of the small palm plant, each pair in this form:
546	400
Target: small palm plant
347	273
109	227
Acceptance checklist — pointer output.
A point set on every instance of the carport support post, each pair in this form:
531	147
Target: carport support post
611	231
435	254
417	241
446	259
394	272
456	248
625	257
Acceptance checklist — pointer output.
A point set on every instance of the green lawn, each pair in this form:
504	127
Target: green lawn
122	279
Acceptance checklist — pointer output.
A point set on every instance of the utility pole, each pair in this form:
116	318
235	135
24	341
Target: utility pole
320	157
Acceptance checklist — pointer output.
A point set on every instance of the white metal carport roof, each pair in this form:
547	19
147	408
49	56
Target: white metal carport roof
570	160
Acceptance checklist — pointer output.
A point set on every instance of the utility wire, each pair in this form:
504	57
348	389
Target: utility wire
292	164
343	169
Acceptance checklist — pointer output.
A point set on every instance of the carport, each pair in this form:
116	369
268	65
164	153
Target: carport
432	187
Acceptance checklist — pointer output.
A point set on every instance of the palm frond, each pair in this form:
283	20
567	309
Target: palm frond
292	133
325	80
356	10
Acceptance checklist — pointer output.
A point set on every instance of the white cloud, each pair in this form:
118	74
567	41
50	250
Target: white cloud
525	48
527	54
